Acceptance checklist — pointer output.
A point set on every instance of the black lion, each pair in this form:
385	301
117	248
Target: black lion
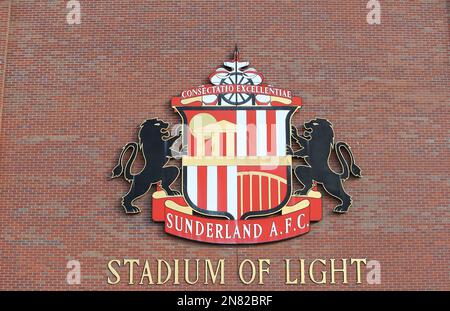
154	143
317	142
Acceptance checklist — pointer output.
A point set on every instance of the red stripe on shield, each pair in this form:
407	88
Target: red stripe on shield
246	194
208	147
251	132
273	192
271	120
223	144
255	194
265	193
202	186
222	188
192	144
239	196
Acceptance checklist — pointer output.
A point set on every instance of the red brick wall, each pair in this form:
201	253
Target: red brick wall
74	95
4	31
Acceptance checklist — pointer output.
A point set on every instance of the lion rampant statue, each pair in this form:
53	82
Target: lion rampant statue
155	144
317	142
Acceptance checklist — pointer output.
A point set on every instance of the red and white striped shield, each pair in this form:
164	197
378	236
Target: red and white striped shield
236	164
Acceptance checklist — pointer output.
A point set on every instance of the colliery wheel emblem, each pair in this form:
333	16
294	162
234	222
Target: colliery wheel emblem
236	149
234	73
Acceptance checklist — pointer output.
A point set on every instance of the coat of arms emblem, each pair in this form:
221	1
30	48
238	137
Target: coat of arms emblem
236	146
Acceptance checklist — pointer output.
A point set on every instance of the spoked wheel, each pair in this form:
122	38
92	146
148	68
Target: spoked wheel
237	98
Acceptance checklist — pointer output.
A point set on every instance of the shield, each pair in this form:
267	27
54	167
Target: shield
236	165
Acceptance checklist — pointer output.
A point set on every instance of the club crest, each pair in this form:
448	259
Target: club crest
236	149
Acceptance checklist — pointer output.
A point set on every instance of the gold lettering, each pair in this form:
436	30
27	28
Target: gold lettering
302	271
209	268
131	263
186	272
263	269
241	274
146	273
358	268
113	271
176	269
334	270
169	271
311	272
288	273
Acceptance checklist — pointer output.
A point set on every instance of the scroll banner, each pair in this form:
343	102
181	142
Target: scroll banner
236	88
278	96
182	221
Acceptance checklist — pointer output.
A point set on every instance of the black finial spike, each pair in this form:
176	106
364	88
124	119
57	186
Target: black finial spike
236	53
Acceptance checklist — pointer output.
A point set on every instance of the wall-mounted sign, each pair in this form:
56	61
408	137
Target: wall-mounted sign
236	148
